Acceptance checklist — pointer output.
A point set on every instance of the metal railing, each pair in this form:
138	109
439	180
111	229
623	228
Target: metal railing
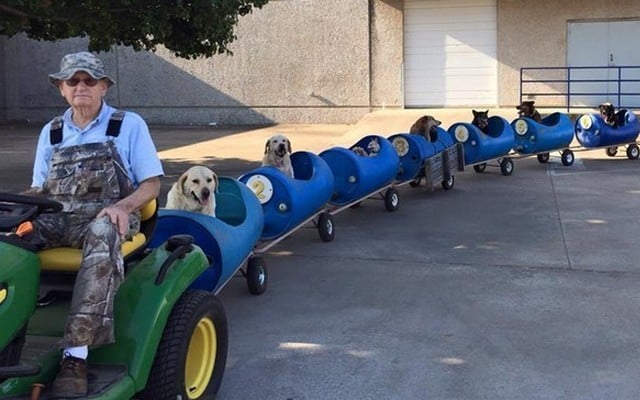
581	87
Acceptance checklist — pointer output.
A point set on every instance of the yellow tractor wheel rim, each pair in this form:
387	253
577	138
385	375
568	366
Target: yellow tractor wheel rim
201	358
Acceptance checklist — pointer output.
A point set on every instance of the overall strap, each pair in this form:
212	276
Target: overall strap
113	128
115	122
55	131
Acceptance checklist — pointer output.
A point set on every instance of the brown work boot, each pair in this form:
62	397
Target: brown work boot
71	380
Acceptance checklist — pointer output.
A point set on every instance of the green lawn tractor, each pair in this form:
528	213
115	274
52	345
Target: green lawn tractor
171	340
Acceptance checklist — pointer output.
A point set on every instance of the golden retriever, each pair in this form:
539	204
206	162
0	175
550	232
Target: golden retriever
276	154
195	191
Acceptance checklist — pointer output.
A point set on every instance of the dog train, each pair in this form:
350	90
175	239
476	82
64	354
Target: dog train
234	221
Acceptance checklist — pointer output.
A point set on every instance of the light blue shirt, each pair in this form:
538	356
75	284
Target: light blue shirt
134	145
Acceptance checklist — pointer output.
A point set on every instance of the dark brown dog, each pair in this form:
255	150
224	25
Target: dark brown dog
481	120
528	109
608	114
426	126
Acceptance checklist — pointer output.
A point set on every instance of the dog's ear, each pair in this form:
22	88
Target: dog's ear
289	145
183	178
475	113
217	181
267	146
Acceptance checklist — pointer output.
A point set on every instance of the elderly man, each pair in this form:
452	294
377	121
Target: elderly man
102	165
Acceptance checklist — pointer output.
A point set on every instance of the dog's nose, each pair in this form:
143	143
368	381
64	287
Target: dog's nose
205	193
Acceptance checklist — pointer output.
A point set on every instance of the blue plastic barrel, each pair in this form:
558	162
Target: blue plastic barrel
357	176
227	239
480	146
286	201
592	131
413	150
554	132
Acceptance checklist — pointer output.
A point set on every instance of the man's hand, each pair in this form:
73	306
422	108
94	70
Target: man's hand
118	216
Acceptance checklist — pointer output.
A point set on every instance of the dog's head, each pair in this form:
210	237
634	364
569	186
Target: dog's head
526	109
373	146
278	145
481	119
198	183
607	111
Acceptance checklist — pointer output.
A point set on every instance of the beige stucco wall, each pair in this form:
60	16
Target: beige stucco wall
386	53
295	61
534	34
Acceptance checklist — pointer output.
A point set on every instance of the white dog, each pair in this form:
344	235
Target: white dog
276	154
194	191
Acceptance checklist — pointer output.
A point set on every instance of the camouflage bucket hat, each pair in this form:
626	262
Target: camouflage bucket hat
83	61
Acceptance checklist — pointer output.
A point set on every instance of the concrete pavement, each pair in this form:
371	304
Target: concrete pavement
519	287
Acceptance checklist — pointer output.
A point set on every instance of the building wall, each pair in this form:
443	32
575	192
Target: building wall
295	61
387	54
534	34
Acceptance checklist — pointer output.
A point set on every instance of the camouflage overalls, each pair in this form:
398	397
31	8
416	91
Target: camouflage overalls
85	179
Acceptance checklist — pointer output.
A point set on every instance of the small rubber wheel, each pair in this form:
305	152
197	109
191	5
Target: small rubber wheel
325	227
447	184
543	158
479	168
633	152
192	354
256	275
506	166
567	158
391	200
612	151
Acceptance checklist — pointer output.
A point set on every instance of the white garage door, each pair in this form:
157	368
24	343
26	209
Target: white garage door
604	44
450	53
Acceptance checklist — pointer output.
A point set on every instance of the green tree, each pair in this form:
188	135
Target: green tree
189	28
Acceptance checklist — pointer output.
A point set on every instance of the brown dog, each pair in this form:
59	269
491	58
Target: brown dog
276	154
528	109
608	114
426	126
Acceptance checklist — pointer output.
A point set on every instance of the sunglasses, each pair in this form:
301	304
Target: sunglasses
73	82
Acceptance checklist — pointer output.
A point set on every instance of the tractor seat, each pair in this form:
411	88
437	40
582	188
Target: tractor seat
68	259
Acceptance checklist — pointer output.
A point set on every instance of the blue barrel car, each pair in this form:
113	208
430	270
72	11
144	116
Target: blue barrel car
288	203
592	131
481	147
554	132
227	239
432	160
365	169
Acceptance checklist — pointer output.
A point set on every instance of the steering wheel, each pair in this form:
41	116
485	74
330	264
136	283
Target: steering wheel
17	208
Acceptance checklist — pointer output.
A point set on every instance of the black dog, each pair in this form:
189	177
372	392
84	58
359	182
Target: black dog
608	114
481	120
527	109
426	126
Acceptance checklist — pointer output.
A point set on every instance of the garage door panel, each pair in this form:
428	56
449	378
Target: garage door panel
450	52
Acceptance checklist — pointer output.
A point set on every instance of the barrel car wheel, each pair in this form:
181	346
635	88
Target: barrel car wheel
192	353
447	184
612	151
543	158
325	227
506	166
479	168
568	158
633	152
391	200
256	275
